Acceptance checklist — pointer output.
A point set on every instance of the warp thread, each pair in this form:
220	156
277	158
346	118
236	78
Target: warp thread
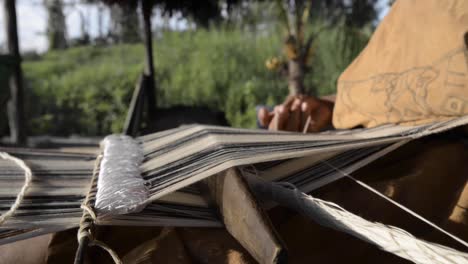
385	237
27	183
402	207
85	231
388	238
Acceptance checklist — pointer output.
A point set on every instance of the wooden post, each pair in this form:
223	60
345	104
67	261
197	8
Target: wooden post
15	105
150	90
135	110
146	87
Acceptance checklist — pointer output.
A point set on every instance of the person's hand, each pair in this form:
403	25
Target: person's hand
299	114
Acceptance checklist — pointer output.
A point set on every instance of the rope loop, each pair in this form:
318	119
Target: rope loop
21	194
89	217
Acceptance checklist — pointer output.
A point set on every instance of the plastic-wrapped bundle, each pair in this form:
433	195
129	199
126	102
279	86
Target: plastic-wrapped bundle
121	189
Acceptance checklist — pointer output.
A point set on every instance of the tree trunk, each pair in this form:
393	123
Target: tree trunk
296	70
124	23
15	105
56	26
100	12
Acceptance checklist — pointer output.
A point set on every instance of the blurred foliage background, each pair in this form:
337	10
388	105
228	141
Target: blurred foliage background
86	89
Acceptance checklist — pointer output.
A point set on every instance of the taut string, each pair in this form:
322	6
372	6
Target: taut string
402	207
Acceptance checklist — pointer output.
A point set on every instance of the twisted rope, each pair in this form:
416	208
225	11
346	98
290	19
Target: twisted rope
86	230
27	183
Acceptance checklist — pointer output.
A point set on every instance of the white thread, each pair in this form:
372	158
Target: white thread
120	187
27	183
387	238
86	223
404	208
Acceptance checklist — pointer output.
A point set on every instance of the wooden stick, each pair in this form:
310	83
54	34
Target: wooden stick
243	217
307	124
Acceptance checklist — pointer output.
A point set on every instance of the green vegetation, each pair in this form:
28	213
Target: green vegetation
87	90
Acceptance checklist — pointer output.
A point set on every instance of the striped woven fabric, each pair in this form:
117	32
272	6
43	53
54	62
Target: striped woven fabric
176	160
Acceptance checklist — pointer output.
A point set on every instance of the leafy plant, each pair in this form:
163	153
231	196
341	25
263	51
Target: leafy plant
87	90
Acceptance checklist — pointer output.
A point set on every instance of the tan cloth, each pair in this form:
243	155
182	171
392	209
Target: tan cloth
413	71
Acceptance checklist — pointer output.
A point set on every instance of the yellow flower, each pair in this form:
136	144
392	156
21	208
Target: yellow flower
272	63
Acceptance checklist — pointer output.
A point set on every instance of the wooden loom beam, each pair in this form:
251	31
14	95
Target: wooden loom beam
244	218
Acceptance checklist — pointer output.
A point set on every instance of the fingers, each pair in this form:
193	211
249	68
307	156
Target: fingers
281	115
280	119
321	112
289	101
323	116
290	115
316	114
294	121
298	114
312	103
277	119
308	118
305	116
264	116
